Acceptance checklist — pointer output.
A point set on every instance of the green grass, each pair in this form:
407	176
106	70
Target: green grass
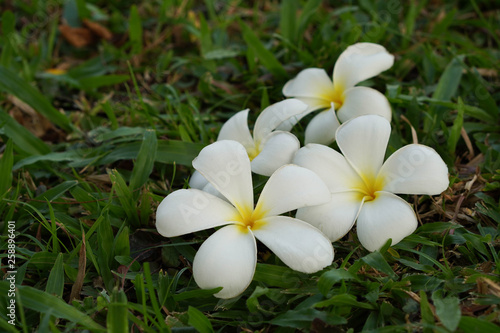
88	154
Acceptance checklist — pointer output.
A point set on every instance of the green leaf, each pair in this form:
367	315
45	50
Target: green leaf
456	129
7	327
11	83
117	318
95	82
446	88
40	301
447	309
105	253
22	138
288	19
344	300
252	301
477	325
64	156
198	320
135	30
277	276
83	12
168	151
328	279
426	312
377	261
125	196
55	283
195	294
122	243
6	163
266	57
55	192
308	11
8	29
302	318
145	160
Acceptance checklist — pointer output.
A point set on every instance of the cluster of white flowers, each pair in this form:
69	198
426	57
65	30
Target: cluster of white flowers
329	190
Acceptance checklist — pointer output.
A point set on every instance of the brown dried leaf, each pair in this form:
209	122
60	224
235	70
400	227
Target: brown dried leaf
82	263
78	37
98	29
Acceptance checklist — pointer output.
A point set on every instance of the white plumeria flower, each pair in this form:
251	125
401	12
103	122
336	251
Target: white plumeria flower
268	149
228	257
340	99
363	186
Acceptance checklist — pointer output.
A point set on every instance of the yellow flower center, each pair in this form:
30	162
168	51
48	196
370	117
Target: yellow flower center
252	153
369	186
335	95
249	219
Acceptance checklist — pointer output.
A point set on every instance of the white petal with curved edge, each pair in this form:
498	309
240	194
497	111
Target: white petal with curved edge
289	188
415	169
197	180
388	216
359	62
313	104
363	141
334	218
186	211
361	101
225	164
321	129
278	150
226	259
298	244
310	82
209	188
329	165
274	115
236	128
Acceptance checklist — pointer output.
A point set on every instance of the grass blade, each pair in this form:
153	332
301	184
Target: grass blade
288	19
22	138
135	30
117	318
55	283
40	301
145	160
198	320
6	163
266	57
12	84
446	88
455	130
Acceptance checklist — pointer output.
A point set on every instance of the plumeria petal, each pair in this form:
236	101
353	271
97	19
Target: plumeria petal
209	188
186	211
321	129
334	218
225	164
363	141
274	115
226	259
236	128
359	62
415	169
197	180
360	101
310	82
387	216
277	150
329	165
298	244
289	188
